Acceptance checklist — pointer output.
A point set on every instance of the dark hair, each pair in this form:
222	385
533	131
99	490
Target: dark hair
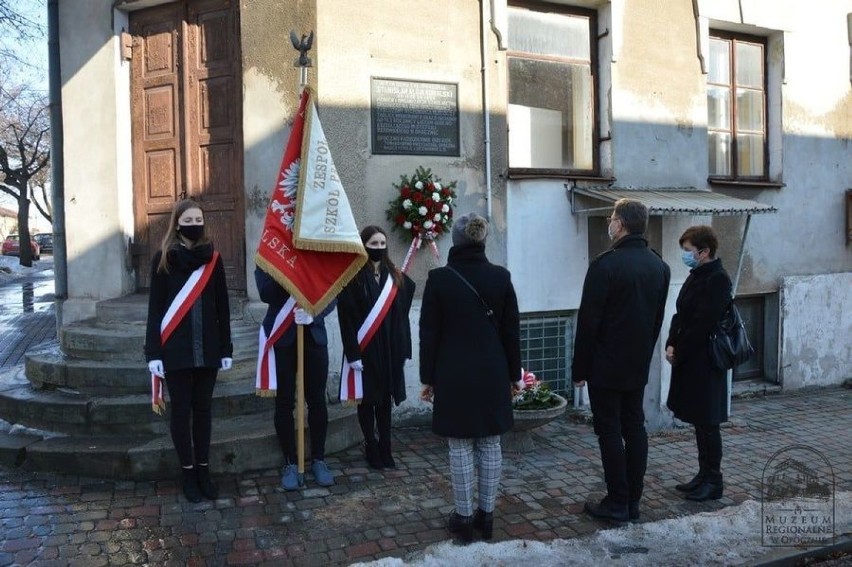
702	237
366	234
170	237
633	215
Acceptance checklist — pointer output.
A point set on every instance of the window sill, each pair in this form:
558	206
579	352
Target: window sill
745	184
555	174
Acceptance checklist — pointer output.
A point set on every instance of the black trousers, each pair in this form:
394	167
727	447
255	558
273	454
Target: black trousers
374	418
619	422
316	378
191	397
708	439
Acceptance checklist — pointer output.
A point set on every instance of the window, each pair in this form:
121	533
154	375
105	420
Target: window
546	342
736	107
551	114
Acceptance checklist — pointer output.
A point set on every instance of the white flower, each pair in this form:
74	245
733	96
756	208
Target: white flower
422	211
418	185
436	197
444	220
406	225
427	225
437	217
449	200
438	187
445	209
406	204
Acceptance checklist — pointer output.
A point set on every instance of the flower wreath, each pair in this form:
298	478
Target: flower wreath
424	206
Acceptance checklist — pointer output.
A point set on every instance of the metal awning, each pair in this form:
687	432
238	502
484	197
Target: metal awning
669	201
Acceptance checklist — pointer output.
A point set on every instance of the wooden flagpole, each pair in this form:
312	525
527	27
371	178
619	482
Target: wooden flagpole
302	45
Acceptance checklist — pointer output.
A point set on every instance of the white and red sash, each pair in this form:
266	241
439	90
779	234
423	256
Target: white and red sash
181	304
351	382
266	381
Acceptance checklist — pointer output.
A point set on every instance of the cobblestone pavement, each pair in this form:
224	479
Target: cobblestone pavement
51	519
27	313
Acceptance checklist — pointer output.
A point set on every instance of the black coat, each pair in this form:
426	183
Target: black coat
385	355
203	337
276	296
621	312
699	392
469	359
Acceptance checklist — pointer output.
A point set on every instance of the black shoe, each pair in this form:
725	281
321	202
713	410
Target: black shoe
461	527
484	523
606	509
707	490
205	484
692	484
371	452
633	510
387	458
190	486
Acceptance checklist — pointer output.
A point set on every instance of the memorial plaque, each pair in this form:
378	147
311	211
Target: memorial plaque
415	118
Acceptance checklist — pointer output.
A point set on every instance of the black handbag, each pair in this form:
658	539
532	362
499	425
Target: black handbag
729	344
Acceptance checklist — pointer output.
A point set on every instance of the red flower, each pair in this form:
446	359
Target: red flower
405	192
400	218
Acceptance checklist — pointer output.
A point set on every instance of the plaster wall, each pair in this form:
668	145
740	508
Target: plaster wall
815	329
94	181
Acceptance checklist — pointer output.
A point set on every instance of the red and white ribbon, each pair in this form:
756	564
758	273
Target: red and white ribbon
180	306
416	244
351	382
266	381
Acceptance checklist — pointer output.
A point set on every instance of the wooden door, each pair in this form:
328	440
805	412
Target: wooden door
187	134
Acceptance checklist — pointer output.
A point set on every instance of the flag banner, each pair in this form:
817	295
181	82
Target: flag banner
310	243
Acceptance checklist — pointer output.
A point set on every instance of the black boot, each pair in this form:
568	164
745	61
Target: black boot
461	527
710	489
371	452
694	483
190	486
205	483
484	522
385	454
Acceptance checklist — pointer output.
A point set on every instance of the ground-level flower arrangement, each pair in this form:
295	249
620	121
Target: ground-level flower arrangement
530	393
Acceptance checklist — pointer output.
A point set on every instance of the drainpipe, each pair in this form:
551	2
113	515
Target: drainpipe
486	116
57	167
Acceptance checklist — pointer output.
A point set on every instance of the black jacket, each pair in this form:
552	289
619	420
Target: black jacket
276	296
469	359
698	392
621	312
203	337
385	356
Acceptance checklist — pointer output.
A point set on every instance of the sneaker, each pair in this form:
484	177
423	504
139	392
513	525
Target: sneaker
322	475
290	478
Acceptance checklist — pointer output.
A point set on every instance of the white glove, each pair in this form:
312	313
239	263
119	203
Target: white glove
156	368
303	317
227	363
357	365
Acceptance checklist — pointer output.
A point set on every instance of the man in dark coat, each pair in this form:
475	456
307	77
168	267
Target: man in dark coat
621	312
470	355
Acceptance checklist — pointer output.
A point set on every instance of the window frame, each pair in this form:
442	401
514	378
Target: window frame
735	178
562	385
594	37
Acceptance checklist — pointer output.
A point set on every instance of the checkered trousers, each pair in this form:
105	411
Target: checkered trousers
467	455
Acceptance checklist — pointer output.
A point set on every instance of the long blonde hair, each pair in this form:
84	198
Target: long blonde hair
170	237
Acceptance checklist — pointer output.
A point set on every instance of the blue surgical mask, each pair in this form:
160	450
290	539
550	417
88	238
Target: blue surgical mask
688	257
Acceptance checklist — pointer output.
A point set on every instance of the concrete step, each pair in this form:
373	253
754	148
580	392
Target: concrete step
239	444
73	413
96	340
134	308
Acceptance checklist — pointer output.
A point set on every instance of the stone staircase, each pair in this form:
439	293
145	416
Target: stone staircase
82	405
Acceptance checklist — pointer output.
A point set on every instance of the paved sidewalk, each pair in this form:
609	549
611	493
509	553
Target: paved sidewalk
27	313
50	519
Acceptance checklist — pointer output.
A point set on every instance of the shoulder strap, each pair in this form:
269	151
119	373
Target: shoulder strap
488	311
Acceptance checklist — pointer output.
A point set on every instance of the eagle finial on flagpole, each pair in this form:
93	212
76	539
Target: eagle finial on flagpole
302	45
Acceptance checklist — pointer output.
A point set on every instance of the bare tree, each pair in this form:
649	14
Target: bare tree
17	26
24	152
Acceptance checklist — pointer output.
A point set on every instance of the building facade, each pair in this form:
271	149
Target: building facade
544	112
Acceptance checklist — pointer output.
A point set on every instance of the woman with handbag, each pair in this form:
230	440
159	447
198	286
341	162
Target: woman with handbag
698	391
470	355
380	359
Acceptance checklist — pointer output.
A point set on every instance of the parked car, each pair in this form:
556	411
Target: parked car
45	241
12	247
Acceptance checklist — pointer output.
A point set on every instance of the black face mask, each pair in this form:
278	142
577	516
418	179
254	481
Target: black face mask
377	254
191	231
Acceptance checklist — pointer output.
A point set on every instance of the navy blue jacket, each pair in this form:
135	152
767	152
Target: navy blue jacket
276	296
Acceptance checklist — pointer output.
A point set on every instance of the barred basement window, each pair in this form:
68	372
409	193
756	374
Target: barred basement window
546	343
